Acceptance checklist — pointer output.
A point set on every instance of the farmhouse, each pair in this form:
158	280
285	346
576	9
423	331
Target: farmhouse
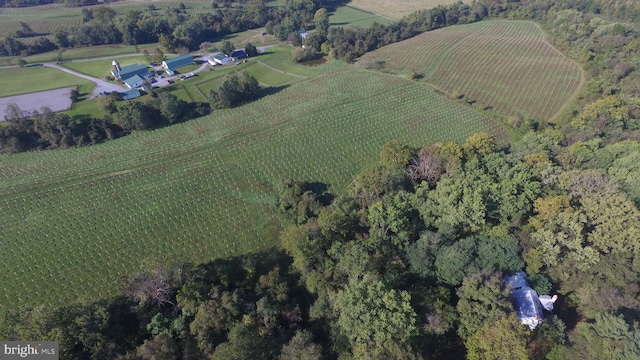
178	62
134	81
129	71
131	94
302	33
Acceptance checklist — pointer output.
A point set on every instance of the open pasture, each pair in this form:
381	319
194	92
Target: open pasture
347	16
501	65
17	81
398	8
77	219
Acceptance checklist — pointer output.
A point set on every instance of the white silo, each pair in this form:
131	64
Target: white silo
116	66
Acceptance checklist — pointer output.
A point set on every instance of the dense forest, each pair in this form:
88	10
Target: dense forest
409	261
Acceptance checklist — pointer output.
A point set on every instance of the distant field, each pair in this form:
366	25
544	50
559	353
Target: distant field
398	8
253	36
346	16
47	19
503	66
17	81
77	219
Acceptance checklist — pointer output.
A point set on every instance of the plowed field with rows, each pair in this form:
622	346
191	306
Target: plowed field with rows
75	220
501	65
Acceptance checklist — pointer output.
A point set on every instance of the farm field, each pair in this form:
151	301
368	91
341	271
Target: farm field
500	65
38	78
47	19
75	220
398	8
90	52
241	39
347	16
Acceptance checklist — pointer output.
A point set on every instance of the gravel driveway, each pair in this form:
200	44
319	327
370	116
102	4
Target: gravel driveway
56	100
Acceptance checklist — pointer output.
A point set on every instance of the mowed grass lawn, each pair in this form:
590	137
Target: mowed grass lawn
504	66
17	81
347	16
398	8
75	220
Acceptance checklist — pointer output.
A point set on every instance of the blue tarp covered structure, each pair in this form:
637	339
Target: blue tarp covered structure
528	305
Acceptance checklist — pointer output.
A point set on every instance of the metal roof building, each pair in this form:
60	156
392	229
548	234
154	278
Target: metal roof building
131	94
134	81
179	61
528	305
129	71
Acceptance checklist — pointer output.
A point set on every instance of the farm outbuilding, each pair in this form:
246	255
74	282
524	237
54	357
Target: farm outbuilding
178	62
528	305
131	94
221	59
239	54
129	71
134	81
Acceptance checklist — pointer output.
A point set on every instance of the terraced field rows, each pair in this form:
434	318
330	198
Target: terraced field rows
76	220
505	66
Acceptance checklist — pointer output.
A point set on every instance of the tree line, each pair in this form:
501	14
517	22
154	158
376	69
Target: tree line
172	27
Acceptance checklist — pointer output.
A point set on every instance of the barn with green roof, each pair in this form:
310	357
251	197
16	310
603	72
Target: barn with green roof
177	62
129	71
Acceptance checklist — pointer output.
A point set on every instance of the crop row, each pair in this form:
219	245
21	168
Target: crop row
516	74
503	65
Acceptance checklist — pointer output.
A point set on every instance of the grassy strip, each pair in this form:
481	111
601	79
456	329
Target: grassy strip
16	81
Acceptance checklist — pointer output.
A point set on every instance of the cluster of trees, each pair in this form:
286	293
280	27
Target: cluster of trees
237	88
44	130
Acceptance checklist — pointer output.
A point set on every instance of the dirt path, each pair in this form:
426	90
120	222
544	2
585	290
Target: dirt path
282	72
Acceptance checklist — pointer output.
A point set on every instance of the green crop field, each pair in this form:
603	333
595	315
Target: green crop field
17	81
347	16
75	220
504	66
398	8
